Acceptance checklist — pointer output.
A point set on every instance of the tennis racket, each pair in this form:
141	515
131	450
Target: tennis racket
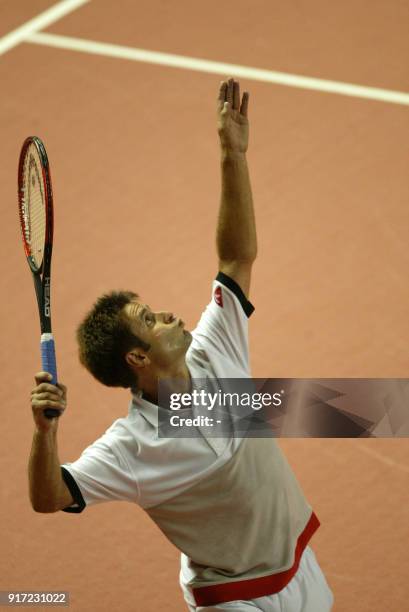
35	203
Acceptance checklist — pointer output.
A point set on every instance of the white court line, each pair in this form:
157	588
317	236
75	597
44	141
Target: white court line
45	19
191	63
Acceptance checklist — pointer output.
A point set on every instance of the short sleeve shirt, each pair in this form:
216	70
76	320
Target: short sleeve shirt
129	462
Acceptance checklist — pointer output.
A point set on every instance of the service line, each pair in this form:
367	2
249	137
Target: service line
226	70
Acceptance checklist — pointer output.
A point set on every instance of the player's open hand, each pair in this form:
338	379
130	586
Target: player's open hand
233	125
47	395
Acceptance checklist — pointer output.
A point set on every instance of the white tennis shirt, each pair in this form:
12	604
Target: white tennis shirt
232	506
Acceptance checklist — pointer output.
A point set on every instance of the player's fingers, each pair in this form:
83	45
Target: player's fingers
222	91
47	403
236	95
222	94
42	377
245	104
47	387
45	396
229	96
50	389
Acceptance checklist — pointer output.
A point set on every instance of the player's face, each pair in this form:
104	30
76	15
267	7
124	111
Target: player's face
164	332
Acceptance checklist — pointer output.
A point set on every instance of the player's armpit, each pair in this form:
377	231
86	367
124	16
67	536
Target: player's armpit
240	272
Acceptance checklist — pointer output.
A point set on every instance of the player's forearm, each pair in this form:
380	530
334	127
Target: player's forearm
236	230
44	471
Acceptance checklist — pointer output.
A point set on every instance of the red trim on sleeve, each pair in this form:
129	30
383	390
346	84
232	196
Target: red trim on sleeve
256	587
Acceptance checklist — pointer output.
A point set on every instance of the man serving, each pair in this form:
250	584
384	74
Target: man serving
232	506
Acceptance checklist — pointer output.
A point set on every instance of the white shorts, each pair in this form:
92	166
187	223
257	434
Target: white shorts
307	591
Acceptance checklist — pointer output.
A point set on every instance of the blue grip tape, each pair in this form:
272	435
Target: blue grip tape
48	357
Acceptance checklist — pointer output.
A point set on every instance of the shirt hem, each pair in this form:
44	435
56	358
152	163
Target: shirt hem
256	587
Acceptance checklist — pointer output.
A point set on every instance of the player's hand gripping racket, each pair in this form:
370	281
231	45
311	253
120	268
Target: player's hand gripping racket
35	203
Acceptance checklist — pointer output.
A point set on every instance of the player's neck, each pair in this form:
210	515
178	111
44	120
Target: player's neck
178	380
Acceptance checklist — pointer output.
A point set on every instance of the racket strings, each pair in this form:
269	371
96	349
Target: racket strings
34	205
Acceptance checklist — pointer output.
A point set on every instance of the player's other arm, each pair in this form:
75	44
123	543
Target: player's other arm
236	229
47	489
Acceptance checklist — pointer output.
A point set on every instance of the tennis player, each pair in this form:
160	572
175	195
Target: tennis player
232	506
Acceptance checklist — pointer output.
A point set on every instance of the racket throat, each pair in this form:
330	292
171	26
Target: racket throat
43	294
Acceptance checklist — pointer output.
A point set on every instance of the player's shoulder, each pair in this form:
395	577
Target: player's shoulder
121	435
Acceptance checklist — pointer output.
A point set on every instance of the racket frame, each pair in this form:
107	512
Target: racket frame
42	274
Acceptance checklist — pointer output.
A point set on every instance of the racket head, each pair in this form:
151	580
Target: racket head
35	202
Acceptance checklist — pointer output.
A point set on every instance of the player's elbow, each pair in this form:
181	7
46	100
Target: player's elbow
239	253
247	255
251	256
43	509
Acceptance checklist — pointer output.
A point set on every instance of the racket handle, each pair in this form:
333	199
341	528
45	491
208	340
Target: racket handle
49	365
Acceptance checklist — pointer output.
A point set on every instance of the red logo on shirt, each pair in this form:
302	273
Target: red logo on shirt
218	298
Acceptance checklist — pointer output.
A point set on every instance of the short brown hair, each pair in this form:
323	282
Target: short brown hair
104	337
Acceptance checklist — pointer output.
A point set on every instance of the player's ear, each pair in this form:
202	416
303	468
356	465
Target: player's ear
137	358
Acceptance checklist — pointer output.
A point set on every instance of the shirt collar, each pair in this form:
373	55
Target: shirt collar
144	407
150	410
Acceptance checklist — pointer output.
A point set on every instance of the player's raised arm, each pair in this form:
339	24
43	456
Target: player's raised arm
236	230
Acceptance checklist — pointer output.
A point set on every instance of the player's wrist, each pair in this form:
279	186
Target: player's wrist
45	429
227	153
